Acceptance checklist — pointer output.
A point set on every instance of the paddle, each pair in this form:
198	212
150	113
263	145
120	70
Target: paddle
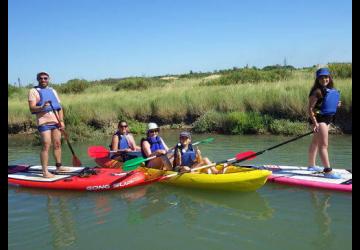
100	151
75	160
238	156
134	163
250	155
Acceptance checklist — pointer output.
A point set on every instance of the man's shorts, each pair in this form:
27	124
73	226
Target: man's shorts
45	127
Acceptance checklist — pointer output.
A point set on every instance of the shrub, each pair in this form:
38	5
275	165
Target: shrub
137	127
12	90
232	123
251	75
246	123
137	83
287	127
74	86
341	70
209	122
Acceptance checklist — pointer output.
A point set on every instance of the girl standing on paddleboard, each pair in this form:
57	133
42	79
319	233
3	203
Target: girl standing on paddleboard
323	102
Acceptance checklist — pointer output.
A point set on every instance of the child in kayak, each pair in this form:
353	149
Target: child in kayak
186	157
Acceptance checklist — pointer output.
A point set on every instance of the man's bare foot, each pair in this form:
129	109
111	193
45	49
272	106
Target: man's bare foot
48	175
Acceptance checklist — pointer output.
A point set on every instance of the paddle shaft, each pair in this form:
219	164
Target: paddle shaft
106	151
207	166
235	159
192	170
136	161
268	149
169	151
65	134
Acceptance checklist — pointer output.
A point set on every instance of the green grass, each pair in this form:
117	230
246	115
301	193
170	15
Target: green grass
277	106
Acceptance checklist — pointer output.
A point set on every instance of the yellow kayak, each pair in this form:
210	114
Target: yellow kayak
234	179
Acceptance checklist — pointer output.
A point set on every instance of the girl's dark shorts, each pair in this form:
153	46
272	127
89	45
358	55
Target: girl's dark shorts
323	118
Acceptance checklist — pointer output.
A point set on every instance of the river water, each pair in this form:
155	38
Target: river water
157	216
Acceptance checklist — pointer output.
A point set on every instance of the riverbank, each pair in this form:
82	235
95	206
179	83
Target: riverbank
77	134
203	104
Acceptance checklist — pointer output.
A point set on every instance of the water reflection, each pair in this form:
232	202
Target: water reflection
321	202
143	203
249	205
191	203
61	223
139	210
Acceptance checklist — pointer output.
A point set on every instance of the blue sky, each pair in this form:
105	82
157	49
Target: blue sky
98	39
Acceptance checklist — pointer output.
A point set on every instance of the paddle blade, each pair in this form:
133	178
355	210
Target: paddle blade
243	156
204	141
130	168
133	162
76	162
98	152
207	140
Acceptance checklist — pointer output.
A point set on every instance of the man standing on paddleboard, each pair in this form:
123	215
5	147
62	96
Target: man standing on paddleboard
48	125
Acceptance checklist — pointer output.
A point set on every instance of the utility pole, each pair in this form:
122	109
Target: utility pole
19	82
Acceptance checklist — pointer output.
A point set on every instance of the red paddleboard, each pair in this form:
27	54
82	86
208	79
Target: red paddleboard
76	178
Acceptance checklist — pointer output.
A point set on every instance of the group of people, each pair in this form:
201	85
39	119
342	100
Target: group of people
182	157
44	102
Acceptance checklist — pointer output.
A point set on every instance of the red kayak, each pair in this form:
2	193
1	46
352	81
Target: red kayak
77	178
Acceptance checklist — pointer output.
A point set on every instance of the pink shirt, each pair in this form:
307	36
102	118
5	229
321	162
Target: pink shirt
42	117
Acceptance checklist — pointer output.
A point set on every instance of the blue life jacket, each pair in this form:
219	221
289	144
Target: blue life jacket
123	142
187	157
330	102
47	94
155	144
